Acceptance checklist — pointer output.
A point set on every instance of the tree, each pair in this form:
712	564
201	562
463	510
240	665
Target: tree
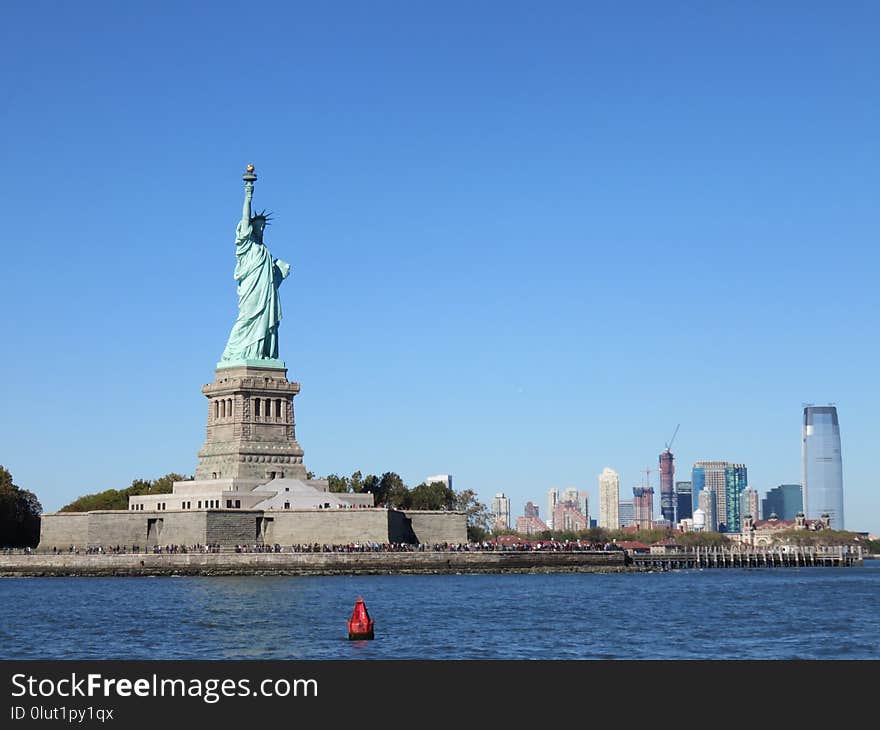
111	499
433	496
356	482
20	512
478	516
499	531
337	483
393	489
596	534
816	537
702	539
371	485
165	485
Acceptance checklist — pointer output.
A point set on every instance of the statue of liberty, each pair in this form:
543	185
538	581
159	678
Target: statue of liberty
254	335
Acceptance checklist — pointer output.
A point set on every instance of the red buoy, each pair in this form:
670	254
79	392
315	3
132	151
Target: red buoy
360	625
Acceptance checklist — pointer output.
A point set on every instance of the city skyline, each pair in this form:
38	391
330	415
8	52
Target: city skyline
724	483
576	183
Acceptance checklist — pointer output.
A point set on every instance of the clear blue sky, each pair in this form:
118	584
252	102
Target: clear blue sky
527	239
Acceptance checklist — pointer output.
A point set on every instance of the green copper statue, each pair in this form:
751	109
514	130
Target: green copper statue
254	335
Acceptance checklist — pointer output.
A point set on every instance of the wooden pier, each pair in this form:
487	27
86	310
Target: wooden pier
740	557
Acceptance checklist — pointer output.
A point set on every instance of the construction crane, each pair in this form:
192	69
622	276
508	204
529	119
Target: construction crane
648	471
674	434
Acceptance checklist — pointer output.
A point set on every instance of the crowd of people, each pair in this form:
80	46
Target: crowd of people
352	547
125	550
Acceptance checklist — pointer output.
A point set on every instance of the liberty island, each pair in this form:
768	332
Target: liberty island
251	486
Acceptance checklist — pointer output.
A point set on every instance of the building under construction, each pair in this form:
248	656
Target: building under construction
643	507
667	482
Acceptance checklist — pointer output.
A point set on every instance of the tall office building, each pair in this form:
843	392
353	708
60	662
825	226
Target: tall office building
684	501
749	504
583	503
531	510
822	466
626	513
735	481
708	475
667	480
552	500
643	507
609	498
707	500
784	501
716	476
501	511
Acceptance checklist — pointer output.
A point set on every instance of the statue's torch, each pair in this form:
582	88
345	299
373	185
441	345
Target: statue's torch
249	178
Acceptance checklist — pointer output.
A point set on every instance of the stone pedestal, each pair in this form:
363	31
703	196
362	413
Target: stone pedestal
251	428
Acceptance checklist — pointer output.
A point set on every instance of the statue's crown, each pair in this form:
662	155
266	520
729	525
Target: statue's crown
263	215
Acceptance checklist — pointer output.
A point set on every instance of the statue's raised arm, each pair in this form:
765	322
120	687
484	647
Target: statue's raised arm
249	178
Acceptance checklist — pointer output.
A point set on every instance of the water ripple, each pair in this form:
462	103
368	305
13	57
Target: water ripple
712	614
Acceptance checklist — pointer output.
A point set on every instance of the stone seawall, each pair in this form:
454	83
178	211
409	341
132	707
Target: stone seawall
309	563
231	527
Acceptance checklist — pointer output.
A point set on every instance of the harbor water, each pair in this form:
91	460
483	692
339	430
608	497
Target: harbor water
780	613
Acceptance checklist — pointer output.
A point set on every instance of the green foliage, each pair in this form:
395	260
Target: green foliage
816	537
356	483
118	498
337	483
702	539
600	535
19	514
478	516
390	490
565	535
435	495
393	490
596	534
873	546
370	484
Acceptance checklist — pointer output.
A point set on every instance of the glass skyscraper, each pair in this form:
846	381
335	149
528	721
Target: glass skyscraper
626	512
698	484
735	481
785	501
822	466
684	501
712	476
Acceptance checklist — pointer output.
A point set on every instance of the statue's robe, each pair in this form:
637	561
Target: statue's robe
254	335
